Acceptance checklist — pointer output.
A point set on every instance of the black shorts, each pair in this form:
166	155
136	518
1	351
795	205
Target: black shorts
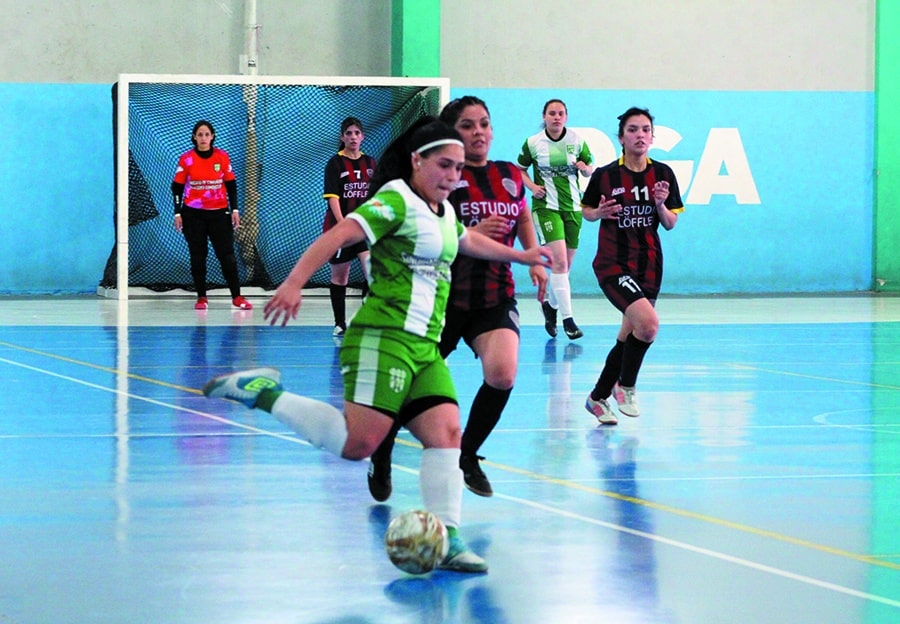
469	324
347	254
623	290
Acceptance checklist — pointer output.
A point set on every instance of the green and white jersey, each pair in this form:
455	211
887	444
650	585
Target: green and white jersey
411	249
554	168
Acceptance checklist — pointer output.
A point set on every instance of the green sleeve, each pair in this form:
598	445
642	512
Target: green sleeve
585	155
524	160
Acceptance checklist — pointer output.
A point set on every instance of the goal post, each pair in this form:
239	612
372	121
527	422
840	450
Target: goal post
279	132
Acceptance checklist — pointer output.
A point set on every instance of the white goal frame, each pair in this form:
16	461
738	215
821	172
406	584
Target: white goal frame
122	290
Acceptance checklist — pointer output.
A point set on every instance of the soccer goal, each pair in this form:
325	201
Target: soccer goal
279	132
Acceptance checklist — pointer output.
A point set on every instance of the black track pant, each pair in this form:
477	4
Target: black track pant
200	226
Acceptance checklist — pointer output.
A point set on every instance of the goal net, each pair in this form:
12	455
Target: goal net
279	132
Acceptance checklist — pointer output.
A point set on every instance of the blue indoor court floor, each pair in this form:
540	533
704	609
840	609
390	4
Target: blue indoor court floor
761	483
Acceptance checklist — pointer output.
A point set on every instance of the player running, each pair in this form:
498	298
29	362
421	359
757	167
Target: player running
632	196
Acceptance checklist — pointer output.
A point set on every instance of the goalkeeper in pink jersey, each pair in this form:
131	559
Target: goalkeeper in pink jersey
204	192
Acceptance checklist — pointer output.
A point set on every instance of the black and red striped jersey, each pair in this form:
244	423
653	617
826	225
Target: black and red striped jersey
348	180
496	188
630	244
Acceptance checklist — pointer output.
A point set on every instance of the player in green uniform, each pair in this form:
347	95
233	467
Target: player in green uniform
557	155
390	362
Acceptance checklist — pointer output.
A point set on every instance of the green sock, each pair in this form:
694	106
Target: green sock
267	398
452	532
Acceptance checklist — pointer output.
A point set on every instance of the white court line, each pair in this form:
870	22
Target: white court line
521	501
130	395
88	436
707	552
780	477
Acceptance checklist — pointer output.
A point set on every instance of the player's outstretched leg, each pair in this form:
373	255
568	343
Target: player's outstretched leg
243	386
321	424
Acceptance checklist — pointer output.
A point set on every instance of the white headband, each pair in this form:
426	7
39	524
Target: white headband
428	146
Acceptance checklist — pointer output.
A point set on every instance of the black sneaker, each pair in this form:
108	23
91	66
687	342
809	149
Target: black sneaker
549	318
474	476
571	329
379	477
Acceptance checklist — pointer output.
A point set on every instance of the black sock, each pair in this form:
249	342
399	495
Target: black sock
483	417
339	304
384	451
610	373
632	357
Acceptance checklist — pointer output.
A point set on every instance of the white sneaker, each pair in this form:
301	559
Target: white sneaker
626	398
601	411
338	331
243	386
460	559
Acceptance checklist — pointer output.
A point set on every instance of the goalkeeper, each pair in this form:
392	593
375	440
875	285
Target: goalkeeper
205	195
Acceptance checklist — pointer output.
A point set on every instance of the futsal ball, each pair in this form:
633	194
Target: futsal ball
416	541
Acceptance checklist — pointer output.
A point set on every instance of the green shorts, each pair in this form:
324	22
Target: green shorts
390	369
554	225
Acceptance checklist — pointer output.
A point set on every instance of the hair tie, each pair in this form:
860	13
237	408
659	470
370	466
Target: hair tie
437	143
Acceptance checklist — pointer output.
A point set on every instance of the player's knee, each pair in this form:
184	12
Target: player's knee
647	331
446	435
359	448
502	378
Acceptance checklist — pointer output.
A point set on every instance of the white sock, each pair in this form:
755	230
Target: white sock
559	286
323	425
551	296
441	482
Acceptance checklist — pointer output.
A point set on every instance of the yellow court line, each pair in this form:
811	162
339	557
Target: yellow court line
699	516
106	369
868	559
875	560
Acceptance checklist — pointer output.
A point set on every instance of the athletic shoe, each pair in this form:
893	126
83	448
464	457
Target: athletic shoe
379	477
243	386
571	329
339	330
474	476
627	400
601	411
460	559
549	318
240	302
202	303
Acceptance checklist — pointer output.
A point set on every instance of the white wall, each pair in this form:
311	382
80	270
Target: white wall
612	44
764	45
93	41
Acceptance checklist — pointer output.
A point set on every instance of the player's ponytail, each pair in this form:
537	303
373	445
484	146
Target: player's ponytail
395	161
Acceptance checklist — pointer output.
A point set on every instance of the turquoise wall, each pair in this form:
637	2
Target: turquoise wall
778	185
56	185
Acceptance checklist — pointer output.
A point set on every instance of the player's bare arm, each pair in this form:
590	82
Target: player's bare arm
606	209
285	303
